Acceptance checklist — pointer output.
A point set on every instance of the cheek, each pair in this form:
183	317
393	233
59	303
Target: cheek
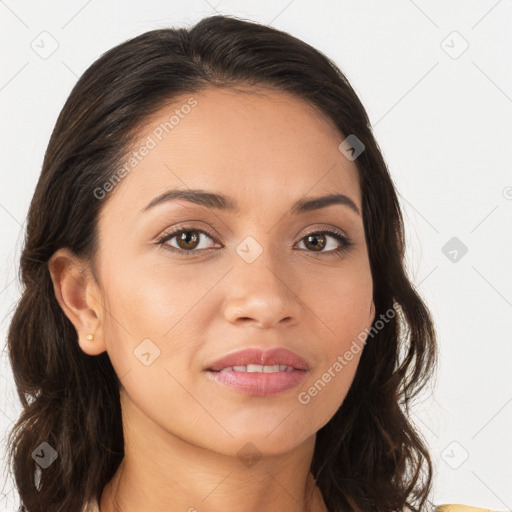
151	299
340	353
158	310
342	303
137	310
343	316
151	337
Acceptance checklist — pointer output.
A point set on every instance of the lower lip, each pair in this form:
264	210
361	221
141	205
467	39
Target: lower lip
259	383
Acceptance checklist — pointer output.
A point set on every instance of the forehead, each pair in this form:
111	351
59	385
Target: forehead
248	143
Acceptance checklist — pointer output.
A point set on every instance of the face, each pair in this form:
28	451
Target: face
258	275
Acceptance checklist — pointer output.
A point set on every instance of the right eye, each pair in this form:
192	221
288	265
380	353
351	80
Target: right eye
188	240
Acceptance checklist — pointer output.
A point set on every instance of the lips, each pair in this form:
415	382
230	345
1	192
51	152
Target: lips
255	356
259	373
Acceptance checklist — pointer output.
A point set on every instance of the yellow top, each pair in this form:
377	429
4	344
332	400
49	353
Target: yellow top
454	507
92	506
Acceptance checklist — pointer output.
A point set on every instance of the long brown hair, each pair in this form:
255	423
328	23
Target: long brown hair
369	452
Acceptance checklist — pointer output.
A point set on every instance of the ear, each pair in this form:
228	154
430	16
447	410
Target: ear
79	297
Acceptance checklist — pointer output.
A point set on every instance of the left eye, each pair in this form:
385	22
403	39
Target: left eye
319	241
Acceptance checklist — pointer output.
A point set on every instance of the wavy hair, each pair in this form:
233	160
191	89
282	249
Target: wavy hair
369	453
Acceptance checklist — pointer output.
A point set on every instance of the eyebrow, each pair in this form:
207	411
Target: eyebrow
227	203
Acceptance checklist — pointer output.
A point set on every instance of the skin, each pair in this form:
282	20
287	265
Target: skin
183	431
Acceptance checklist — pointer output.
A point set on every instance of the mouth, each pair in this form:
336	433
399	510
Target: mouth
259	373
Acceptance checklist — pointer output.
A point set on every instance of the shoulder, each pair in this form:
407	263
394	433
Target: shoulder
455	507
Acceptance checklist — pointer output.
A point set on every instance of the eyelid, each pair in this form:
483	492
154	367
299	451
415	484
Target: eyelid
184	227
321	228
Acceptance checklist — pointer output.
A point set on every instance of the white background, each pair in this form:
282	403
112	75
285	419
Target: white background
443	121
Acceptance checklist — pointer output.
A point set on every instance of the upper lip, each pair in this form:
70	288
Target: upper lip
262	357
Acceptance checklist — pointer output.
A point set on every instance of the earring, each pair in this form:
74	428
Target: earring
90	337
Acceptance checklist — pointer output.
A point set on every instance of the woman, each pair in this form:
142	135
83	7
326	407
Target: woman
215	313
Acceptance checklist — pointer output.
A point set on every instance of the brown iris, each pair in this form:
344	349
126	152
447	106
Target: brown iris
188	240
311	239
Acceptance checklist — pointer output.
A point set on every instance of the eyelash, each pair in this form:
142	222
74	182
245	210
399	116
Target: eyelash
344	241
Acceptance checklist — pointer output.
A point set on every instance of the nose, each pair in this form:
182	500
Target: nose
262	295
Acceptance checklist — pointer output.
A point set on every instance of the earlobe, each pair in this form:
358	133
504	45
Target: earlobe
76	290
